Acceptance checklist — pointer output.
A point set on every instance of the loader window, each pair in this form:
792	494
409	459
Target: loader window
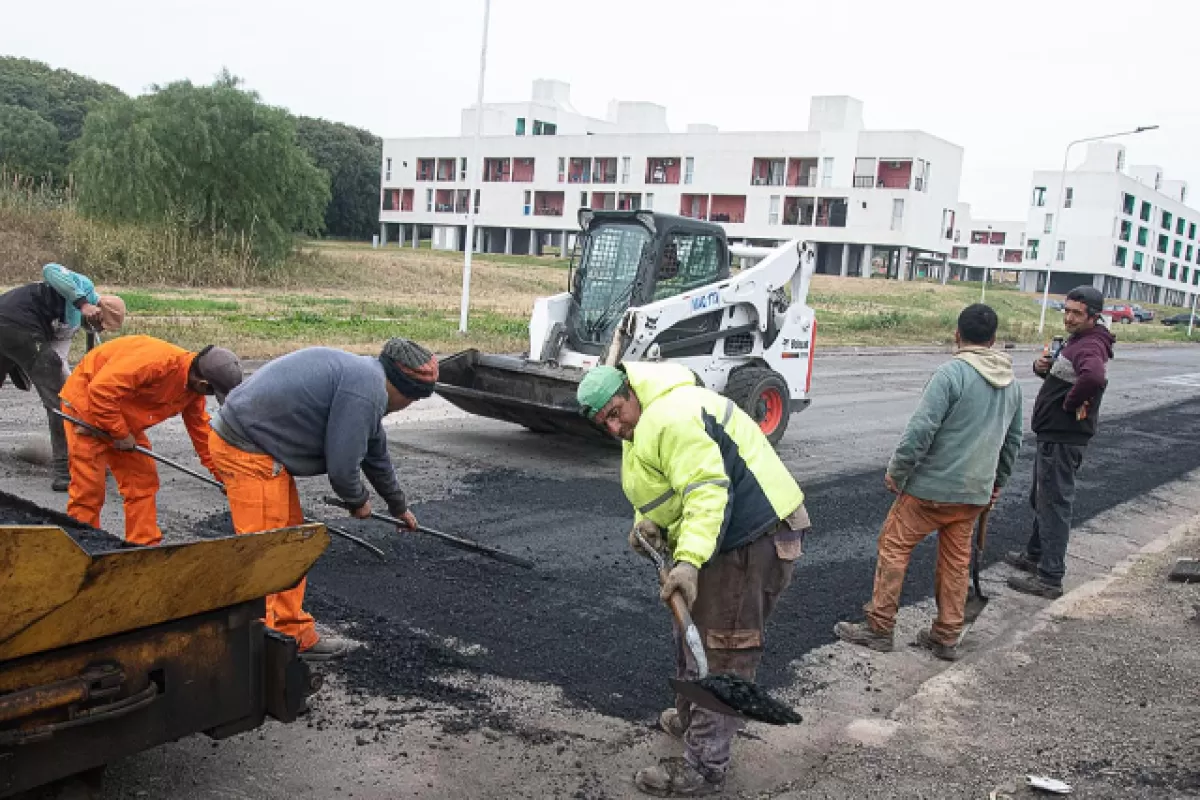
689	260
607	270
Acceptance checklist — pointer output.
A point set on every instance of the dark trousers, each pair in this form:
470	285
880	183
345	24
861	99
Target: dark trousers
1053	497
35	356
738	591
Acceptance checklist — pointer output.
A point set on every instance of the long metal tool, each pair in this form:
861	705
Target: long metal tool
200	476
460	542
976	600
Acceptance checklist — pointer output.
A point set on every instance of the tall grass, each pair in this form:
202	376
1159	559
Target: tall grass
40	222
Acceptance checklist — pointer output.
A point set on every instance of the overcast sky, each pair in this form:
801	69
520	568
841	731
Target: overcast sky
1012	82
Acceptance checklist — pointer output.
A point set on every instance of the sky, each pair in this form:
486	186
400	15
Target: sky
1011	82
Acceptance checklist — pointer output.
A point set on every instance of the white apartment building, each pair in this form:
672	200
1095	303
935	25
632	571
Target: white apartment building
1127	231
869	199
989	248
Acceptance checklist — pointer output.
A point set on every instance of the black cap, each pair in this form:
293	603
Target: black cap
1090	296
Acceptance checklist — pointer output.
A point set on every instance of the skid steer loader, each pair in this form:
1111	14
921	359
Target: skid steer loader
655	287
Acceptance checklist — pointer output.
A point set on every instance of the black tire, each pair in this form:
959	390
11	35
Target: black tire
1127	321
763	394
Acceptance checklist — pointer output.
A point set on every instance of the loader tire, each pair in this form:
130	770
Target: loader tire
763	394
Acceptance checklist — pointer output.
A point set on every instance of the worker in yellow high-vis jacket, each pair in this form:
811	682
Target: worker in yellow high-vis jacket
708	488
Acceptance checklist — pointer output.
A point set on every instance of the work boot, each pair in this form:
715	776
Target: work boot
327	648
671	723
1035	586
946	652
862	634
674	777
1018	559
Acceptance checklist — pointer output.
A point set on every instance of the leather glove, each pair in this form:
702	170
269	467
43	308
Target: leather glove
651	533
683	578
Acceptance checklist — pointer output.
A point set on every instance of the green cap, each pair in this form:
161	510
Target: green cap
597	388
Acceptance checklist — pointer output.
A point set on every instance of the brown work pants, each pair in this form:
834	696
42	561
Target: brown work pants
908	523
738	591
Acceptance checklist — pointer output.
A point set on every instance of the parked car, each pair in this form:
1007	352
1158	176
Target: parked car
1143	314
1180	319
1052	305
1121	313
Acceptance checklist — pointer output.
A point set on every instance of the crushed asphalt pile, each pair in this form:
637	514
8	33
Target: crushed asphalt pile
17	511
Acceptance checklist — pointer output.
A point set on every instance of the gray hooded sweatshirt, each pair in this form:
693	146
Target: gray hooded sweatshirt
964	436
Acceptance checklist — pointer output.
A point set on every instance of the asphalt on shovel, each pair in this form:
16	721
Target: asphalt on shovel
214	483
724	693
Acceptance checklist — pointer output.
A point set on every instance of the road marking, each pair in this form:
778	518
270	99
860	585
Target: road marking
1189	379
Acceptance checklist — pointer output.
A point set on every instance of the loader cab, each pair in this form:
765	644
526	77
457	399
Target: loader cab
632	258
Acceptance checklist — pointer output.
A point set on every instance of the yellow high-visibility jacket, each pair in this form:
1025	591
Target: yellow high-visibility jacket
699	467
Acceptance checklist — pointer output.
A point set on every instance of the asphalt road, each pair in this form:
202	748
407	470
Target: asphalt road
587	620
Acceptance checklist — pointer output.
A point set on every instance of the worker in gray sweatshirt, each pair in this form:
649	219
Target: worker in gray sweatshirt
316	411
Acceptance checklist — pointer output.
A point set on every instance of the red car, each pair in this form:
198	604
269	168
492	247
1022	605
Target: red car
1121	313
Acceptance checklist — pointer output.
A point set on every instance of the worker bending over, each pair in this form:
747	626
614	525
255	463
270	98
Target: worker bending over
37	323
123	387
699	468
315	411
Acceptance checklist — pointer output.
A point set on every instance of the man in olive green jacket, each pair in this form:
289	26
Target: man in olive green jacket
698	468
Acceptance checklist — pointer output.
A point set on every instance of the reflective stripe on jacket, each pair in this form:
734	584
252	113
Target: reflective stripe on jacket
700	467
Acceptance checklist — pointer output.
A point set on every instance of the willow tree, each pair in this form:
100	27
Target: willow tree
212	158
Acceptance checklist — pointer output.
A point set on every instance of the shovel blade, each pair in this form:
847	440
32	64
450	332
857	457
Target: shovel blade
975	606
697	694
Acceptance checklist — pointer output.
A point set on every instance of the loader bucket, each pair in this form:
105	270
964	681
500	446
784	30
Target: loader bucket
508	388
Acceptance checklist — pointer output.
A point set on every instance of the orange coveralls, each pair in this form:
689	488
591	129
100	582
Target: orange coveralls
124	387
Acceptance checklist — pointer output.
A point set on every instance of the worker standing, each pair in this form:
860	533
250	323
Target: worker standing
123	387
956	453
315	411
37	323
699	468
1065	415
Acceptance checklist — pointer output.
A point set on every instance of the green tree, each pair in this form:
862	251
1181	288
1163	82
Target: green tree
214	158
351	156
28	143
59	97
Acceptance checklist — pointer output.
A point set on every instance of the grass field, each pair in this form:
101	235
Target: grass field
362	296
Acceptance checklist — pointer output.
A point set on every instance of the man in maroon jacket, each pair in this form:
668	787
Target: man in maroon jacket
1064	418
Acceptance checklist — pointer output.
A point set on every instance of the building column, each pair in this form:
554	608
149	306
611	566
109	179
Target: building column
945	268
902	267
1126	288
478	240
864	262
400	235
383	234
508	237
416	240
845	260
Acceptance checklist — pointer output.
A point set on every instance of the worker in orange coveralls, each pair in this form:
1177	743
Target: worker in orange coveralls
124	387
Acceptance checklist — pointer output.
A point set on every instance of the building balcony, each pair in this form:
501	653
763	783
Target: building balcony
523	170
727	208
802	172
548	204
864	181
662	170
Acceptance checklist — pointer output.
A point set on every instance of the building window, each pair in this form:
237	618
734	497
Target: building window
583	203
1162	243
826	172
1031	249
1039	196
562	168
429	200
1166	220
959	253
649	201
1157	267
773	211
898	214
979	237
1126	230
1119	260
1192	231
1183	274
1180	223
1061	255
387	174
1174	273
625	169
1138	261
1121	162
528	207
1049	226
1145	215
1128	203
1143	236
544	128
1069	197
1177	249
1189	253
462	169
520	126
689	169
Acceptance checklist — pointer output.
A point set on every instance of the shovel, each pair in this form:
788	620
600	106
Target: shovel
724	693
976	600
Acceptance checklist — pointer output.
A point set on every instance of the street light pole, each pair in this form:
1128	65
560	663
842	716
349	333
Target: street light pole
474	170
1052	251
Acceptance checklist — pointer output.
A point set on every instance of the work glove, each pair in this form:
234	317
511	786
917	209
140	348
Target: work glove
683	578
651	533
